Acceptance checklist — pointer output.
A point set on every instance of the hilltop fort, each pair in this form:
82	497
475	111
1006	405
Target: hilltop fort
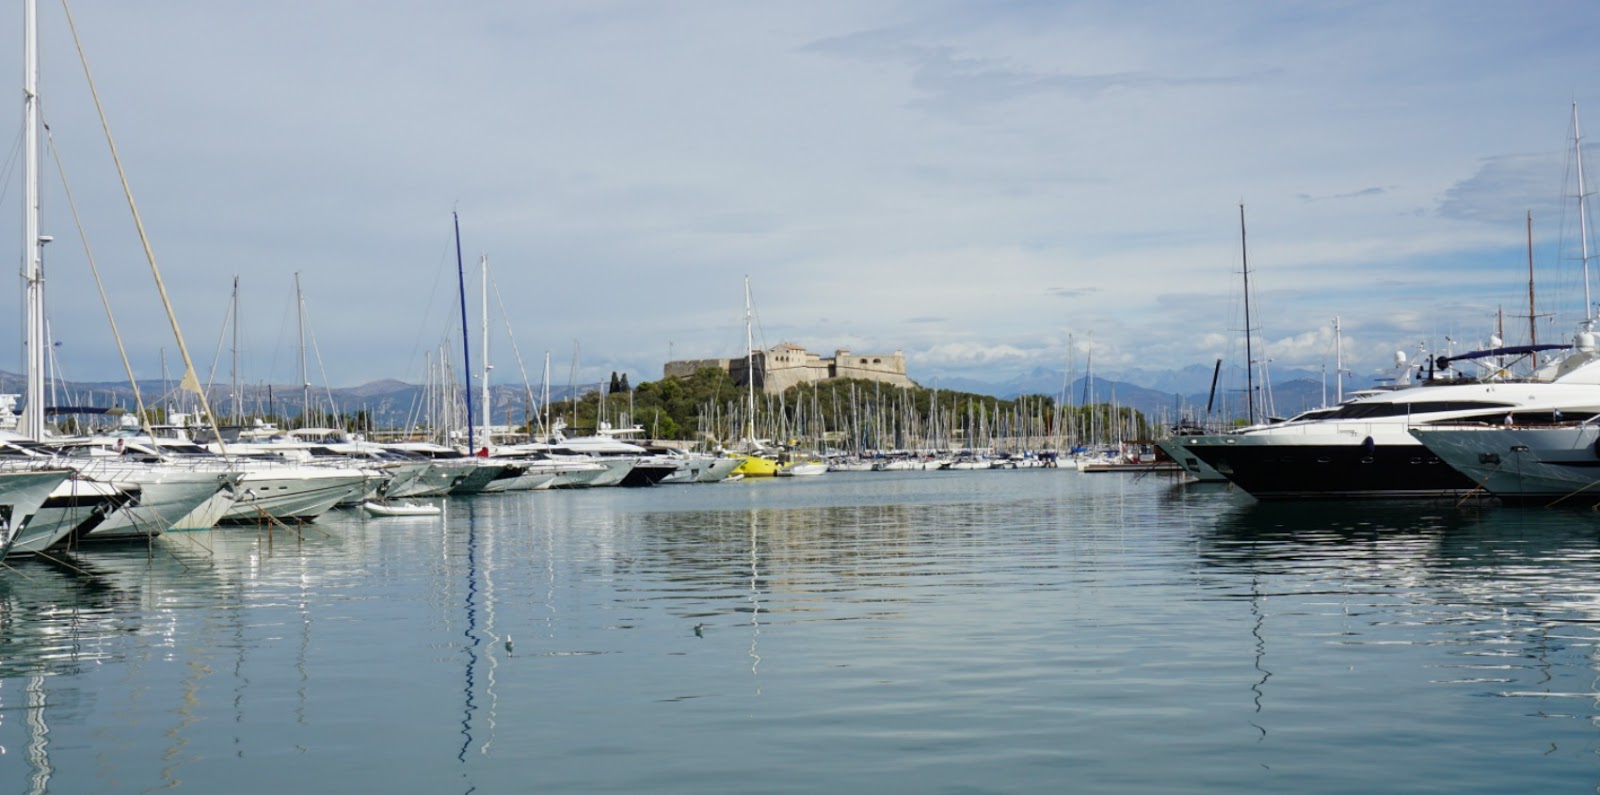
786	365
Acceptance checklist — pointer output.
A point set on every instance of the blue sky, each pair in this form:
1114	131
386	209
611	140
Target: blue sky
974	183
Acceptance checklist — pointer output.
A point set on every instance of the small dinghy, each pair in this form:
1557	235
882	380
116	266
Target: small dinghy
401	509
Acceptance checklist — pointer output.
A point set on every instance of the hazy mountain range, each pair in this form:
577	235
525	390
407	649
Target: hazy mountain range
1165	396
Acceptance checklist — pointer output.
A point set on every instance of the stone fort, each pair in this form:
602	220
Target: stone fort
787	365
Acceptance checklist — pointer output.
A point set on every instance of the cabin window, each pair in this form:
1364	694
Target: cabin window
1356	411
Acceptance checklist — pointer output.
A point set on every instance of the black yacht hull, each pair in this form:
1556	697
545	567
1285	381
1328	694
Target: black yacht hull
1333	471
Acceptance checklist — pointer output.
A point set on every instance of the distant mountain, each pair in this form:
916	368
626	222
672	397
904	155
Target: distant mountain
1164	396
388	402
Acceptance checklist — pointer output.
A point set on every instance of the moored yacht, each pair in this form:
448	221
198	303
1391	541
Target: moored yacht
1551	463
22	493
1364	448
75	507
268	486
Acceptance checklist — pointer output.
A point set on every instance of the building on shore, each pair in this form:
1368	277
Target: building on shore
786	365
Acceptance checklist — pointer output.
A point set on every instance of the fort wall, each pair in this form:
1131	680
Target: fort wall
787	365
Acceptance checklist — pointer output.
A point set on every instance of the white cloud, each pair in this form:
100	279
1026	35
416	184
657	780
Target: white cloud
968	185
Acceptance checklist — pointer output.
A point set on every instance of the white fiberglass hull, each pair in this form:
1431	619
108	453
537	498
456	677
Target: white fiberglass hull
169	495
77	505
435	481
1554	464
22	493
292	493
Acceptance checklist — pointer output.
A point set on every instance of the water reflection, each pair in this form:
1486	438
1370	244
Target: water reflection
470	635
1507	595
924	634
755	601
1259	688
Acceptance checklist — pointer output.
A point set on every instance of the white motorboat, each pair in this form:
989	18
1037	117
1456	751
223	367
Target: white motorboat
803	469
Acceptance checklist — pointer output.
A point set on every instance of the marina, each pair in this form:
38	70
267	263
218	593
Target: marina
954	631
904	544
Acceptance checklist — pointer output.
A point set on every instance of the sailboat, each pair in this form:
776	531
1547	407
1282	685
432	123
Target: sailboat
75	505
750	449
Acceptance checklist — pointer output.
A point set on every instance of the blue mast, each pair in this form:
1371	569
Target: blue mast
466	353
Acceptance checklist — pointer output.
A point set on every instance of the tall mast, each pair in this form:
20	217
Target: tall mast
1583	220
544	397
1533	325
1249	357
466	354
488	408
305	377
749	361
1338	362
236	407
32	246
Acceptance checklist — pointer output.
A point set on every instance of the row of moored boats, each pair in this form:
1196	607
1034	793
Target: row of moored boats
1450	434
66	491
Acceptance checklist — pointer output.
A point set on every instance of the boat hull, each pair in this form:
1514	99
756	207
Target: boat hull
1524	465
752	466
287	496
1324	466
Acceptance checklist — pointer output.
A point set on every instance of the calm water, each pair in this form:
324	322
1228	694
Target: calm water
937	632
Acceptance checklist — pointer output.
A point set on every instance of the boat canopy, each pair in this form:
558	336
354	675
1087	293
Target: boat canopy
1510	350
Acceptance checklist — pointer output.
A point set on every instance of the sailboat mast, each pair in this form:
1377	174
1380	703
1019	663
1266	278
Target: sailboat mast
1533	325
305	377
749	361
1583	220
1249	356
1338	362
488	409
236	407
32	246
466	354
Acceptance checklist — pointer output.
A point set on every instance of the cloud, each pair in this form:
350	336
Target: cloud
975	186
1364	192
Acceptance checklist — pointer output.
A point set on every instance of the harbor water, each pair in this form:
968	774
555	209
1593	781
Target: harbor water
940	632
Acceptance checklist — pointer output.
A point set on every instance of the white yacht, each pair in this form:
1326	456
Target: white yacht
22	492
268	486
1552	463
1364	448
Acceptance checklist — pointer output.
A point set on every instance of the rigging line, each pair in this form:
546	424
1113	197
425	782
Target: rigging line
515	351
105	301
13	156
322	370
427	314
222	337
761	330
283	332
190	380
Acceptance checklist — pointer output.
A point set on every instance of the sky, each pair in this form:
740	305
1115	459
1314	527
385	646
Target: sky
989	187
